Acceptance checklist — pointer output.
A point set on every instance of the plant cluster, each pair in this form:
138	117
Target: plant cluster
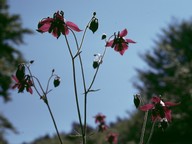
58	26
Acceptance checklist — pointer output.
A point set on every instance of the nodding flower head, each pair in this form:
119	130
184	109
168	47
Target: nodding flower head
159	108
57	25
120	43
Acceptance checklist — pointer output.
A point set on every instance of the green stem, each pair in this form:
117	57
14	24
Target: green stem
46	101
44	98
75	88
143	128
151	133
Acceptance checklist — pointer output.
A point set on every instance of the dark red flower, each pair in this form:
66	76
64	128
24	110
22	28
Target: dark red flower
22	84
119	43
57	25
112	138
159	108
99	118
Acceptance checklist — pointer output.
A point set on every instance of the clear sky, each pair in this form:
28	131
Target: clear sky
143	19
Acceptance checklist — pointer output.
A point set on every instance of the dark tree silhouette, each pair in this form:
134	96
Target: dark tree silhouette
170	74
11	35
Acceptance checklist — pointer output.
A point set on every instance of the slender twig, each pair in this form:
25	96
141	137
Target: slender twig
143	128
151	133
94	77
55	125
32	77
75	87
44	98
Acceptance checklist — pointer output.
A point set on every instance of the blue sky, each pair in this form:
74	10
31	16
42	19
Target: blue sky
143	19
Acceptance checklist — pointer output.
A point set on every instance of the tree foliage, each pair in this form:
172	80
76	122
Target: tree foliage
11	35
170	75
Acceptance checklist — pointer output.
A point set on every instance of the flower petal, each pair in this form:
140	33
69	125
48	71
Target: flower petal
55	32
44	28
44	25
146	107
73	26
15	78
130	41
109	43
155	99
171	104
122	51
168	114
123	33
66	31
29	89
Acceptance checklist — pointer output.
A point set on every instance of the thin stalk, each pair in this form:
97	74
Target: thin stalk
44	98
84	82
46	101
94	77
143	128
76	95
32	77
75	88
151	133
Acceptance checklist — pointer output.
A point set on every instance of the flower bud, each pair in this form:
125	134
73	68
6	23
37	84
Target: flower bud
94	25
94	13
56	81
20	73
103	36
137	100
31	62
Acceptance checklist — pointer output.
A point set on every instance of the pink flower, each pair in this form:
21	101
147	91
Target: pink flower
100	118
160	109
119	43
112	138
22	84
57	25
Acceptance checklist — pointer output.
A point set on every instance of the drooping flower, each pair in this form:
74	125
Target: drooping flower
57	25
99	118
160	109
120	43
23	84
112	138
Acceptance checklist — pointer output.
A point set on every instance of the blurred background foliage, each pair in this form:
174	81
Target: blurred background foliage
11	36
169	74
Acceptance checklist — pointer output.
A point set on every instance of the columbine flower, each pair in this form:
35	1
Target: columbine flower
56	25
22	84
112	138
160	109
119	43
99	118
